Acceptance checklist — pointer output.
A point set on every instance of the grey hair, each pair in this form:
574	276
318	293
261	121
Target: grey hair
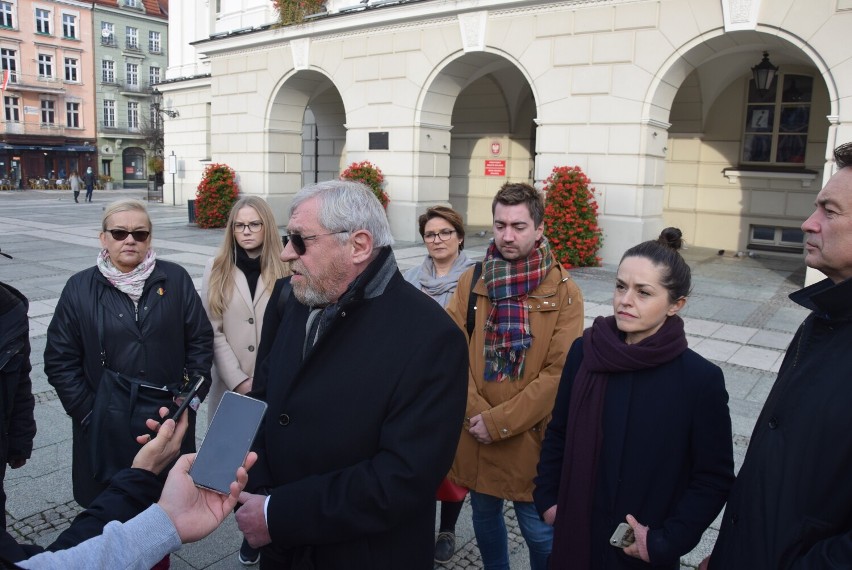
349	206
126	205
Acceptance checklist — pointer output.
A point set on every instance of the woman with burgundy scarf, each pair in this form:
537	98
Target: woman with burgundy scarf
641	431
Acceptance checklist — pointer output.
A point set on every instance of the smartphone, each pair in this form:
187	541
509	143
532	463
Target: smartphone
227	442
187	398
623	536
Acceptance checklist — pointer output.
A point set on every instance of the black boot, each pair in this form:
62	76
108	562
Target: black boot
76	195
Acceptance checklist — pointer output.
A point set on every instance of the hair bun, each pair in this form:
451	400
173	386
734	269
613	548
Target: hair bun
671	237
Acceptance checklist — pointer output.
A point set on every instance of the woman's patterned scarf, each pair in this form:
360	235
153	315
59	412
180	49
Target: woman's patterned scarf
507	330
133	282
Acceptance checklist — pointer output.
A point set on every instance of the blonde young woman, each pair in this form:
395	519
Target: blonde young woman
235	290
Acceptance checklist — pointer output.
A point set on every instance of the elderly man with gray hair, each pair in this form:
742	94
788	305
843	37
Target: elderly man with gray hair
366	382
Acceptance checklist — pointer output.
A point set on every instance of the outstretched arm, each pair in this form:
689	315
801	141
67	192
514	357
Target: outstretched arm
185	513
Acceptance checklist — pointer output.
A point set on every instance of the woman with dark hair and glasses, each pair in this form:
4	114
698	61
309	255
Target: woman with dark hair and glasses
235	290
442	231
133	321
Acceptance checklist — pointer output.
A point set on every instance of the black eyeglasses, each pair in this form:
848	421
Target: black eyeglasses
121	235
442	235
253	227
298	241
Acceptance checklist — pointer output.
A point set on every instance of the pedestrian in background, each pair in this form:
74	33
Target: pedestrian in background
89	180
442	230
791	505
641	432
75	183
235	290
528	312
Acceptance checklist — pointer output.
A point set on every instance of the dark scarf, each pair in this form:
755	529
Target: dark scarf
250	268
604	353
507	330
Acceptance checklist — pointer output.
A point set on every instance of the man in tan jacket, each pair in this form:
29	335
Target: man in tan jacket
528	312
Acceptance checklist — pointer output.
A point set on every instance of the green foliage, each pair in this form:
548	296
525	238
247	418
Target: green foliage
215	196
370	175
571	218
155	164
294	11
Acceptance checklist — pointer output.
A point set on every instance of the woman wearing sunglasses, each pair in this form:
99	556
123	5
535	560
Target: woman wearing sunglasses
131	320
235	291
442	231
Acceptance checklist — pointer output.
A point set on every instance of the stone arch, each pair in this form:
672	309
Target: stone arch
706	192
470	104
733	60
305	132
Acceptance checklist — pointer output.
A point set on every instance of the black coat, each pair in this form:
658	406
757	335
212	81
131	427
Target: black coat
666	456
16	398
172	336
791	506
360	432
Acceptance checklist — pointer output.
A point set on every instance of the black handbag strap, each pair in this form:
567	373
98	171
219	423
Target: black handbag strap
471	302
99	322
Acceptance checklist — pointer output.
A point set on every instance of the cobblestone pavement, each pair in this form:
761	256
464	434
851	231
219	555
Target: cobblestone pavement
738	316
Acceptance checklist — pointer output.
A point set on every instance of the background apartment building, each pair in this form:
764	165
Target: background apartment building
657	100
130	60
48	127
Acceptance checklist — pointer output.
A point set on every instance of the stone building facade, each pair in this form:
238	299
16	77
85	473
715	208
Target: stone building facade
654	99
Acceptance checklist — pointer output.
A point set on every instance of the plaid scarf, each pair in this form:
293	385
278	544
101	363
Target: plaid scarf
507	330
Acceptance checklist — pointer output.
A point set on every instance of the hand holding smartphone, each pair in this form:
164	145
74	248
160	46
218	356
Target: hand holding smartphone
227	442
623	536
187	398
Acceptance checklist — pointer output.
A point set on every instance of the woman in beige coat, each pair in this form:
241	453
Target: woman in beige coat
235	290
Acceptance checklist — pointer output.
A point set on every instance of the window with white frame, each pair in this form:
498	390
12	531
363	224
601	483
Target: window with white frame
48	112
777	121
45	65
132	37
107	71
132	74
7	15
69	26
71	69
11	106
131	3
153	116
109	113
9	62
42	21
72	115
133	115
154	42
776	238
154	75
107	33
